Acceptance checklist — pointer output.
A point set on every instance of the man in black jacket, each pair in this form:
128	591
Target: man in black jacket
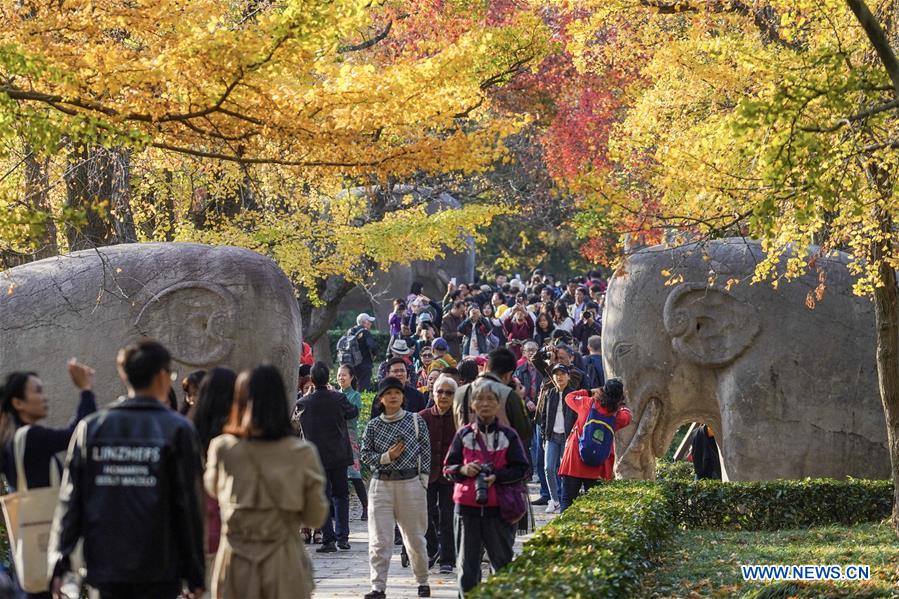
323	416
449	329
367	347
130	490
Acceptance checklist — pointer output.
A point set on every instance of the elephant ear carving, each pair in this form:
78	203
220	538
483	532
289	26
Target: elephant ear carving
195	320
708	326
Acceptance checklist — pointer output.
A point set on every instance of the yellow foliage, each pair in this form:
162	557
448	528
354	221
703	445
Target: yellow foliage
758	118
269	99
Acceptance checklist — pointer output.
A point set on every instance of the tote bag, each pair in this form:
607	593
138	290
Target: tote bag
29	514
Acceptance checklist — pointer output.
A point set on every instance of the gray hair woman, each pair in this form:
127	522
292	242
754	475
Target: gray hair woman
484	445
441	430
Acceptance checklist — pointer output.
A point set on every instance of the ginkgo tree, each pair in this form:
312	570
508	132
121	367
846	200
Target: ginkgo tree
773	119
250	83
241	122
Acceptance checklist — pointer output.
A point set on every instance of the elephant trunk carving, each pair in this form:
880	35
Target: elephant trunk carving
638	458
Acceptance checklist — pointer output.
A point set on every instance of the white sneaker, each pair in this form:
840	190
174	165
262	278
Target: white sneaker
551	507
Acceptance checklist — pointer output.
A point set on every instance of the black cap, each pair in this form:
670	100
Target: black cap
561	367
389	382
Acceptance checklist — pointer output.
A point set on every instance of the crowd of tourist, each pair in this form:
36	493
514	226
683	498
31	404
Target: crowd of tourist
479	390
522	361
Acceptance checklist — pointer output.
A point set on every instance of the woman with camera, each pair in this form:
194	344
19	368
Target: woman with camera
484	456
606	403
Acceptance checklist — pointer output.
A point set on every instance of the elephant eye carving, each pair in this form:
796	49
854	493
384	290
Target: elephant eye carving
622	349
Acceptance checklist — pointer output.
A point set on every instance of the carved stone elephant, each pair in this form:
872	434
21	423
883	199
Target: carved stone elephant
209	305
790	391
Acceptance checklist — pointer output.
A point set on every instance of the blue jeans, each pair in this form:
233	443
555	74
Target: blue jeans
338	491
555	445
537	460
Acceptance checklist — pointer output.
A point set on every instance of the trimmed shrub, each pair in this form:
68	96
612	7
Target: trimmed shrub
679	470
603	543
599	547
771	505
367	398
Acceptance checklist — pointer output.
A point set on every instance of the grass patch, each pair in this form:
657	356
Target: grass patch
706	562
604	545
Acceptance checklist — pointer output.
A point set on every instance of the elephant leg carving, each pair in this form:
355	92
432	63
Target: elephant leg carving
638	458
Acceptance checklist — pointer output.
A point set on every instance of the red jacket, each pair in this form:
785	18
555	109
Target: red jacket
441	429
306	356
580	401
523	331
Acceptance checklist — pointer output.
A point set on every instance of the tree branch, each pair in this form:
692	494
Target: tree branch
854	118
878	39
367	43
58	102
276	161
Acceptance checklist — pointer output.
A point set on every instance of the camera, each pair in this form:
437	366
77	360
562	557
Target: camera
480	485
588	315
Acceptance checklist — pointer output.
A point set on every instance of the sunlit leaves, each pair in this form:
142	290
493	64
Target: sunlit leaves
765	119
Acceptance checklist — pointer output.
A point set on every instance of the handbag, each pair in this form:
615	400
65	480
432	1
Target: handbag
29	515
511	496
422	478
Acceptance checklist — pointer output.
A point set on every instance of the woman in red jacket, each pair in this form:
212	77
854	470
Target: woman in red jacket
574	472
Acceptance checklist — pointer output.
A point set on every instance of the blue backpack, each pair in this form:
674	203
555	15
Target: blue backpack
594	444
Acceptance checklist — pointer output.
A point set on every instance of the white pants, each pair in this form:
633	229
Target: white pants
392	502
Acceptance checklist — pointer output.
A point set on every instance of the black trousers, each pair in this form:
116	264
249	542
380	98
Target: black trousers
363	377
361	493
571	487
144	590
474	534
440	523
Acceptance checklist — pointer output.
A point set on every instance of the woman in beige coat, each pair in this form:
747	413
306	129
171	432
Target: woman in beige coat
268	484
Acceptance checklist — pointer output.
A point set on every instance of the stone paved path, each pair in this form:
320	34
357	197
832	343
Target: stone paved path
345	574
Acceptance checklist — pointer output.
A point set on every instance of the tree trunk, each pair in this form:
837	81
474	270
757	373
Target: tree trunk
98	181
37	193
318	320
886	311
118	179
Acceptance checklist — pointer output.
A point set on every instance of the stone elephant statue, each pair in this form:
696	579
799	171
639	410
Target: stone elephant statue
209	305
790	391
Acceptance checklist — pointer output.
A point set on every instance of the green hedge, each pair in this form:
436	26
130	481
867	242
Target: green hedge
367	398
603	543
599	548
679	470
772	505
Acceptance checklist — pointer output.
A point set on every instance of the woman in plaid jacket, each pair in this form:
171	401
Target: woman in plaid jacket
393	446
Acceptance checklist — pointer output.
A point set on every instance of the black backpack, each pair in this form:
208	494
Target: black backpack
348	350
